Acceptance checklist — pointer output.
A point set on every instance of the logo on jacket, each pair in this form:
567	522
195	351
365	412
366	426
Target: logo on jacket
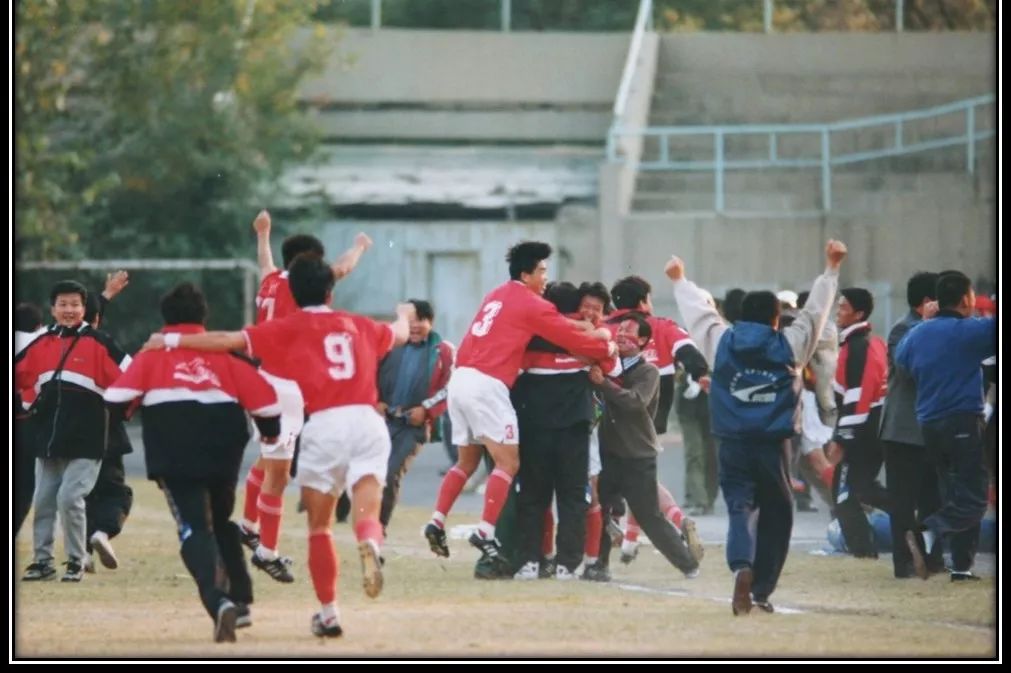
754	394
196	371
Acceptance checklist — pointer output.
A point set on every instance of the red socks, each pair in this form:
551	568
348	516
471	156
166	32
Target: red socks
323	566
449	491
250	508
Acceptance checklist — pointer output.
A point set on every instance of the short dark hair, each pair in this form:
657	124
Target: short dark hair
27	317
597	290
92	309
802	298
295	245
860	299
761	306
525	256
184	304
630	291
311	279
67	287
732	303
563	295
422	309
951	287
921	287
645	331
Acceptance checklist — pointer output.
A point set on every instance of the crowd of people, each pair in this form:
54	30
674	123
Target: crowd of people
565	388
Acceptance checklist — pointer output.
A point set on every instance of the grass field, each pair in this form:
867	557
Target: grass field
834	607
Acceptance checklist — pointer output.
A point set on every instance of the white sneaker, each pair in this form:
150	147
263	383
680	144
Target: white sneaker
564	574
89	565
529	571
100	543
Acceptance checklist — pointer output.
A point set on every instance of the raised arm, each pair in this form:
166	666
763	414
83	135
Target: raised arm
347	262
264	257
701	319
806	330
205	341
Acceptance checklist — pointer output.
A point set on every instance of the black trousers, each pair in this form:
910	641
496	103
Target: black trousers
912	488
554	462
24	477
955	449
856	483
634	479
211	547
405	443
110	500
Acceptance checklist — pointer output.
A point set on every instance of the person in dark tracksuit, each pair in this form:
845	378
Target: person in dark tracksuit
554	408
628	446
944	356
860	383
412	397
910	480
754	405
195	431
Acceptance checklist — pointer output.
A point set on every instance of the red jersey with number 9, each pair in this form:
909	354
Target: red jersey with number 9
274	300
333	356
509	317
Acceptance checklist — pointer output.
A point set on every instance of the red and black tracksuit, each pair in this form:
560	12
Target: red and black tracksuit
860	386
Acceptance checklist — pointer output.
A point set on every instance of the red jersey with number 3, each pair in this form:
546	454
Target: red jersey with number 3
509	317
274	300
333	356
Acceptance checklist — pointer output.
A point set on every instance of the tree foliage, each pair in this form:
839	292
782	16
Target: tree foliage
153	128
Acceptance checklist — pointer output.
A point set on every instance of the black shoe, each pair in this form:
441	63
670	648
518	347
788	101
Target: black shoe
964	577
39	572
74	572
596	573
493	568
249	538
547	568
487	546
225	622
277	569
741	603
437	540
919	563
243	618
324	631
763	604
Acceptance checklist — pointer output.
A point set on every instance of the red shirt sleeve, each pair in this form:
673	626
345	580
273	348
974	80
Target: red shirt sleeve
133	382
549	324
255	395
266	341
382	336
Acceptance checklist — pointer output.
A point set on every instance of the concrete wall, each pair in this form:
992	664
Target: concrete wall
505	86
710	78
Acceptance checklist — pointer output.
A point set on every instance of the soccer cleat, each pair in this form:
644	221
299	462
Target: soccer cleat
372	573
629	550
493	568
691	537
487	546
529	571
964	577
277	569
564	574
74	572
764	605
596	573
100	543
243	618
741	603
225	622
39	571
437	540
325	630
249	538
691	574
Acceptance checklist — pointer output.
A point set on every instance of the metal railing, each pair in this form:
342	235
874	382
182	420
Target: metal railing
825	159
643	22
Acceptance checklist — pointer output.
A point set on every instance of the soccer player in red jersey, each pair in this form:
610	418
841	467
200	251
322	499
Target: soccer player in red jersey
487	364
267	478
333	356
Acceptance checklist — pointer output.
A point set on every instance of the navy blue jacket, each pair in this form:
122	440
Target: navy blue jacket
945	356
755	388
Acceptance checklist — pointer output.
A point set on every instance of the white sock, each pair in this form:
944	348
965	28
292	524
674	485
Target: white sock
487	530
266	554
330	614
589	560
928	540
439	519
248	526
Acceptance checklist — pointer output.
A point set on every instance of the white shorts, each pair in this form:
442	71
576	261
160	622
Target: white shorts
341	445
594	452
814	433
479	409
289	396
